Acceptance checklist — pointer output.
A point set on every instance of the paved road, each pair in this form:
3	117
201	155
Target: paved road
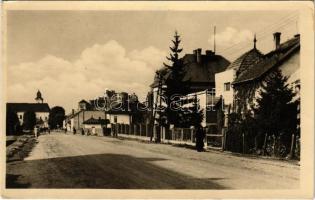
75	161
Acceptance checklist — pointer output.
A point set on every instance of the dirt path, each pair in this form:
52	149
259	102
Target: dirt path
75	161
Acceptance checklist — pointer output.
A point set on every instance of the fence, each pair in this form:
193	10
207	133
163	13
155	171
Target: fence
141	131
145	131
174	135
214	139
181	136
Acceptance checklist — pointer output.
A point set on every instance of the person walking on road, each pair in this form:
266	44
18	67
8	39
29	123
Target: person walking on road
35	131
200	135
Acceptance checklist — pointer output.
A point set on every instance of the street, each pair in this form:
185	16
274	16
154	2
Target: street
62	160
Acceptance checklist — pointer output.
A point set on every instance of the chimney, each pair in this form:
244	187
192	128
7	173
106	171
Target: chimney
73	111
209	53
276	38
195	53
198	55
297	35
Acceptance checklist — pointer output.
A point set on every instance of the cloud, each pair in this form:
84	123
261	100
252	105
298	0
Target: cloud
230	36
100	66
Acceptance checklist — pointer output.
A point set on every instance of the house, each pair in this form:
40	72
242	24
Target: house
199	70
40	109
252	68
114	107
207	103
85	111
199	73
95	126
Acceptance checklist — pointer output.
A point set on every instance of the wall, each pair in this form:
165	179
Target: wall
20	116
43	115
85	115
291	68
88	129
121	118
220	79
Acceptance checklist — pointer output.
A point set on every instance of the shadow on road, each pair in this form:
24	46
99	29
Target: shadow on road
103	171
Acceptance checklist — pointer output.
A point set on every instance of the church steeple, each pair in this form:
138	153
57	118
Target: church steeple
39	98
255	40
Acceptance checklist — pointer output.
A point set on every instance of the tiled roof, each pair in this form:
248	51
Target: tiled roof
198	72
23	107
246	60
205	70
96	121
270	60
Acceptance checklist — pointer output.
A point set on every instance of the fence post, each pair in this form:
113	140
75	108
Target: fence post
223	139
243	137
191	135
135	129
131	129
265	144
117	129
140	129
146	130
182	134
292	146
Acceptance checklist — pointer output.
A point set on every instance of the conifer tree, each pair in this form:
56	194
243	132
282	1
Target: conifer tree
275	112
174	81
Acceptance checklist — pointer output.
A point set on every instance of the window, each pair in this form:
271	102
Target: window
115	119
21	116
227	86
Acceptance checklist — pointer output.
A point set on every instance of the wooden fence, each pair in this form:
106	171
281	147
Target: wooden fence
141	131
174	135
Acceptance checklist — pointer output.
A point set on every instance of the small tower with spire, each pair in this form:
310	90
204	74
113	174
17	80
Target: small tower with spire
255	40
39	98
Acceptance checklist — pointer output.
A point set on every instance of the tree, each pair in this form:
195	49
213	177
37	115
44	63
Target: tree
56	117
12	123
29	120
174	83
275	112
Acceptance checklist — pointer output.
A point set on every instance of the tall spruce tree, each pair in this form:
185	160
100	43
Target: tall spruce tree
175	86
275	112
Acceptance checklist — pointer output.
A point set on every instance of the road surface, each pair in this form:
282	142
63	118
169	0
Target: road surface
74	161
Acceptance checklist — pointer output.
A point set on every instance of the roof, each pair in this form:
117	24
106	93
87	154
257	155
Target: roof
194	72
84	101
205	70
96	121
118	112
270	60
246	60
23	107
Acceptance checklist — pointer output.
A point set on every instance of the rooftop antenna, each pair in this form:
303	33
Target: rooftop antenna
214	39
255	40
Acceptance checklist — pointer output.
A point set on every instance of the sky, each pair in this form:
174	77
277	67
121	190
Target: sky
74	55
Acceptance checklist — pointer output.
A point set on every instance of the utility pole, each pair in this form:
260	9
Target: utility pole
214	39
158	95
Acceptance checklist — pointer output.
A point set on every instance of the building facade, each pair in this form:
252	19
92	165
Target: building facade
253	67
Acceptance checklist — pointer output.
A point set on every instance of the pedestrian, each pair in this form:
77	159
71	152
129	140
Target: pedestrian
74	130
200	135
82	131
66	130
35	131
